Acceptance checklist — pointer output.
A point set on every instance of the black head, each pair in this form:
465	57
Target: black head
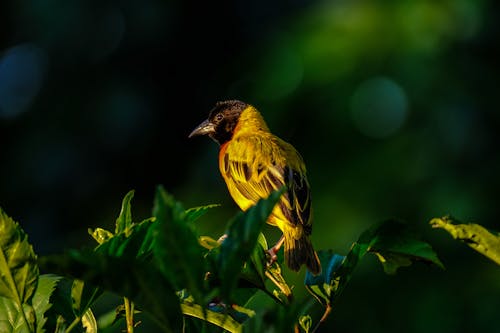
221	121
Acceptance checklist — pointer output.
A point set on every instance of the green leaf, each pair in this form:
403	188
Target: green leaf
242	236
41	299
141	282
61	313
220	319
193	214
393	243
12	318
176	248
18	274
18	269
124	220
476	236
396	245
137	242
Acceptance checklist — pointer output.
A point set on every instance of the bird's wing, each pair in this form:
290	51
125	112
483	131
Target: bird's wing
255	167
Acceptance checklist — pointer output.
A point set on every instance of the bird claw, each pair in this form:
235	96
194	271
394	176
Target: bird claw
222	239
272	256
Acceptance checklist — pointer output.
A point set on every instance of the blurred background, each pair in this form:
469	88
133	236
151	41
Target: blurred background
394	106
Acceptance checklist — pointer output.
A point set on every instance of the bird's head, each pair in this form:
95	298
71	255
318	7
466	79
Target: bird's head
222	121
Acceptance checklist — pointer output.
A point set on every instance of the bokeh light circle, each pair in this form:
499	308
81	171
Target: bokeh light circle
379	107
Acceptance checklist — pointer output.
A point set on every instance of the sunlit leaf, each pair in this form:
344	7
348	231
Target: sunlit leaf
219	319
242	236
18	276
16	319
141	282
476	236
176	248
100	235
41	299
18	269
124	220
89	322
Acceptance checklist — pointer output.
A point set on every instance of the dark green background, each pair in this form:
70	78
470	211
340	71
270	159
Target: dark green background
394	106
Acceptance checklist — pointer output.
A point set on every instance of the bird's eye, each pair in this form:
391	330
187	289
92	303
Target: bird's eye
219	117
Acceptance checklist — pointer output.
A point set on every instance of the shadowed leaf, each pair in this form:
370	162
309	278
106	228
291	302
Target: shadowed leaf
193	214
242	236
393	243
139	281
176	248
136	243
396	245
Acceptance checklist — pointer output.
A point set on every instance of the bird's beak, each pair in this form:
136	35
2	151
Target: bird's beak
204	128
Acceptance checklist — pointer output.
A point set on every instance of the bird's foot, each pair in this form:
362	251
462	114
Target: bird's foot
222	238
273	251
273	256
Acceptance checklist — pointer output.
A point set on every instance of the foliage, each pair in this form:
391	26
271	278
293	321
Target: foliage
476	236
181	280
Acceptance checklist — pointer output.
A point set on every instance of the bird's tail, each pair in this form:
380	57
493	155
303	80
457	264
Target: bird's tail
299	251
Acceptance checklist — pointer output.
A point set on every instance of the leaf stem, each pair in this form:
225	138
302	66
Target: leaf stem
73	324
129	314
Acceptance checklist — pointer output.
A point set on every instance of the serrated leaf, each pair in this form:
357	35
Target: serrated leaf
124	220
61	313
474	235
136	243
41	299
15	319
193	214
176	248
18	269
242	236
139	281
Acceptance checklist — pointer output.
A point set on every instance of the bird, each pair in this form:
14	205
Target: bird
254	163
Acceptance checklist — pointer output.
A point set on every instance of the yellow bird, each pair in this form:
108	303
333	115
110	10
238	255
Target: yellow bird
254	163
